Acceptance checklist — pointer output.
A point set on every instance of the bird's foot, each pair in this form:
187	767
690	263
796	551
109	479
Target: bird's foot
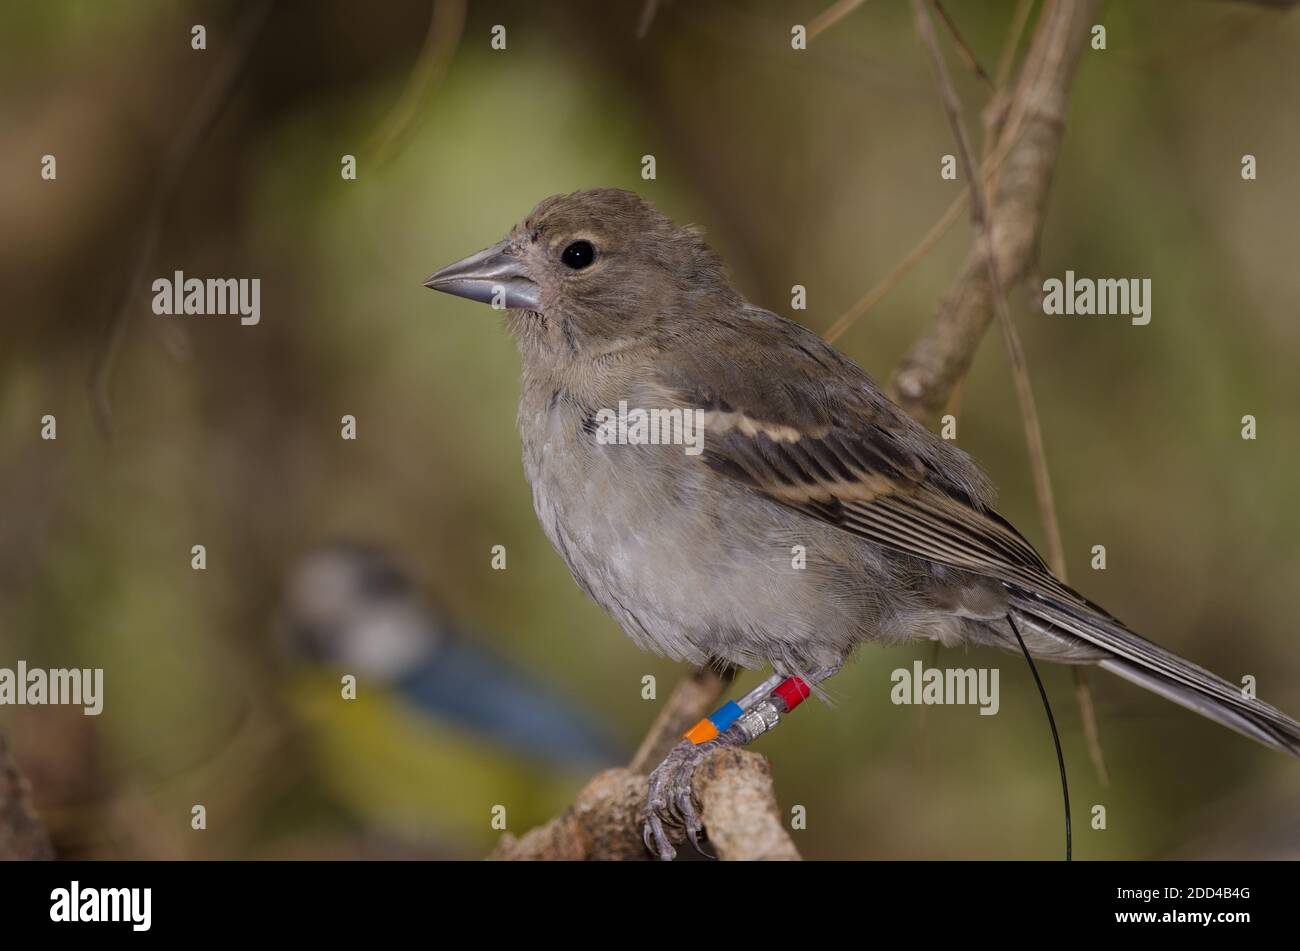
670	803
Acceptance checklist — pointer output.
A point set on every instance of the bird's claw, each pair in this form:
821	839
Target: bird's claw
694	836
655	839
669	802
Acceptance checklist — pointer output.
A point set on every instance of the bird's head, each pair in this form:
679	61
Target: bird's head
350	606
591	269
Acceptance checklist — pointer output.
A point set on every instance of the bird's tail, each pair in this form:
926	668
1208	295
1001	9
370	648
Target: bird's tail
1079	632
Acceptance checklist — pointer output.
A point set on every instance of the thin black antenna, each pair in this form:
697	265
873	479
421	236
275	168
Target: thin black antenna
1051	721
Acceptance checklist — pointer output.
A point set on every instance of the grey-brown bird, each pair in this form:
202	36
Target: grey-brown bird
808	515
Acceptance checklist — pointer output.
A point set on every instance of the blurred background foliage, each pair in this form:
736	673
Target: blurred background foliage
817	168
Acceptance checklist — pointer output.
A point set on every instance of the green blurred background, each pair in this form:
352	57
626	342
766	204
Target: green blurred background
817	168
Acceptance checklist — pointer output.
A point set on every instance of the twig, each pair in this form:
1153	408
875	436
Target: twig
1088	714
1036	118
963	47
1007	58
446	24
989	169
892	279
922	248
980	217
830	16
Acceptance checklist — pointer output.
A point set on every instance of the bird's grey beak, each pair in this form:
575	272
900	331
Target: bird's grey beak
492	277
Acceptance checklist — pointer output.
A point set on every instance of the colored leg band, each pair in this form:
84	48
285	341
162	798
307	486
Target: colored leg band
792	691
715	723
702	732
726	715
789	693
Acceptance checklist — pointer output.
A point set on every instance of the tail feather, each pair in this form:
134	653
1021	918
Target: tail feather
1283	735
1112	646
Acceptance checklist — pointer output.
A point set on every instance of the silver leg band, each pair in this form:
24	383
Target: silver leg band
759	720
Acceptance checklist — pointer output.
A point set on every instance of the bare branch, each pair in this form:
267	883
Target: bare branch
1020	370
1035	125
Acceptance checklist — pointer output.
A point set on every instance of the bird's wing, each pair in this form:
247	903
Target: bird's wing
794	420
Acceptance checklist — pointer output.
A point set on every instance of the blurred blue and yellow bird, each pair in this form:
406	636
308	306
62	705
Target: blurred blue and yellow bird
442	731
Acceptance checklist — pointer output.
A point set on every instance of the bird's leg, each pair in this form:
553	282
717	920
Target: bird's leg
736	723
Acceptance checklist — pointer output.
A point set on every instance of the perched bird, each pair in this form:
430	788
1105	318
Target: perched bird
618	313
431	703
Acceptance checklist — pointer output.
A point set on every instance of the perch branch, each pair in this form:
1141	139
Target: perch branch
603	822
737	806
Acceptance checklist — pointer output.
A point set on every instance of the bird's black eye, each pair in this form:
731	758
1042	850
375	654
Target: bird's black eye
578	255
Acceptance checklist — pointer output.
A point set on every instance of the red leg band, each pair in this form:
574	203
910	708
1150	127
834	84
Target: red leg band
792	692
